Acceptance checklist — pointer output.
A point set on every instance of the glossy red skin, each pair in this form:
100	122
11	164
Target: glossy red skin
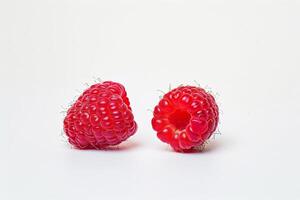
196	117
100	117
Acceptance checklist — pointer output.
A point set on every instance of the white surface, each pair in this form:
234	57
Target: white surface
247	52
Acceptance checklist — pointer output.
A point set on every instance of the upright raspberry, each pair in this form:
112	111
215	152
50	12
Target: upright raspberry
100	117
185	117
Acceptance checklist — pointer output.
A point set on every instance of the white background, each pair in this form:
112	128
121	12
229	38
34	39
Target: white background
246	52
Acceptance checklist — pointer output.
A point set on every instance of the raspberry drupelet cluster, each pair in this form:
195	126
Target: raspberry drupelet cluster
100	117
185	117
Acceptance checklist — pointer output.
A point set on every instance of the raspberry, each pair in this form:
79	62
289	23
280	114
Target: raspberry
100	117
185	118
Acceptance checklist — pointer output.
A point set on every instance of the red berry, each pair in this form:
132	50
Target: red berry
185	117
100	117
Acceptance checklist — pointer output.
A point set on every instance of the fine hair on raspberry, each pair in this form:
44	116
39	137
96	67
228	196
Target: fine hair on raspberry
100	117
185	118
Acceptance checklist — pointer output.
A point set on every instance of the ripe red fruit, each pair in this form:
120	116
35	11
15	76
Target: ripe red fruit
100	117
185	117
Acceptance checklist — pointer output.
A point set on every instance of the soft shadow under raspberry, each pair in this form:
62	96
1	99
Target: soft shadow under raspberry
213	145
124	146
